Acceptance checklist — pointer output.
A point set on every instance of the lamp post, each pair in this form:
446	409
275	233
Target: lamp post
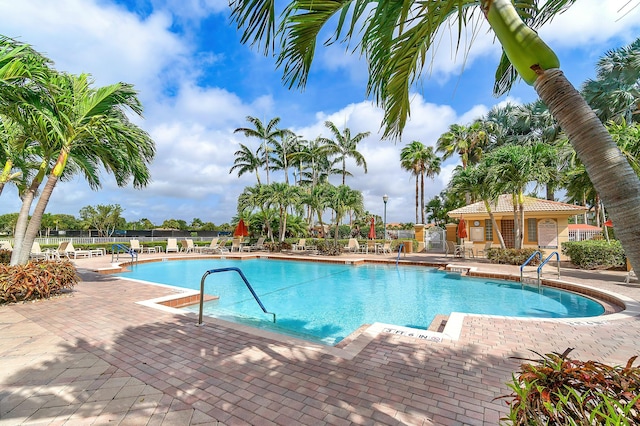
385	198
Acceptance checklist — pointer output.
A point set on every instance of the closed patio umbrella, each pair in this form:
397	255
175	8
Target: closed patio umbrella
241	229
462	229
372	230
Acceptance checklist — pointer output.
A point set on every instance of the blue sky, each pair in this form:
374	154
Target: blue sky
198	83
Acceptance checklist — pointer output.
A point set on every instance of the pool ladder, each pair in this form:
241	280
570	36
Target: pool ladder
537	254
214	271
115	252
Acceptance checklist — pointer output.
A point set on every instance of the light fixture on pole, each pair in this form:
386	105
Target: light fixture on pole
385	198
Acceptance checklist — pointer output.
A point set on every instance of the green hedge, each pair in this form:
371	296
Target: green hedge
595	254
511	256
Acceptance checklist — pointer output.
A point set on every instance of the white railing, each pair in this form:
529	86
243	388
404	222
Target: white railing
582	235
51	241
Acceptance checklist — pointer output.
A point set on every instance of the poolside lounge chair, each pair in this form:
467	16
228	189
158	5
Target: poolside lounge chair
135	246
236	244
630	274
300	245
353	246
453	249
213	246
36	252
371	246
467	249
483	251
188	246
5	245
172	245
259	245
386	248
67	249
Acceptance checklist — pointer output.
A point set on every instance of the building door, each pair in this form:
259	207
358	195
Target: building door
508	234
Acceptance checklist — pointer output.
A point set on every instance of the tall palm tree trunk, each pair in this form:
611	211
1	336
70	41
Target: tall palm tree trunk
36	218
416	198
600	156
23	218
421	197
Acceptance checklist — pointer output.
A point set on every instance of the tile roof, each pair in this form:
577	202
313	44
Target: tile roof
504	205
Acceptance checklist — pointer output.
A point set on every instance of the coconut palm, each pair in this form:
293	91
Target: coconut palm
257	197
89	130
342	199
246	162
395	38
283	195
267	135
344	146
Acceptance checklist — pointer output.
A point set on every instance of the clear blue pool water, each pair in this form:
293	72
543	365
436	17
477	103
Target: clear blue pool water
326	302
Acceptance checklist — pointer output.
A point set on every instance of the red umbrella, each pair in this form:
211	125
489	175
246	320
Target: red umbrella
462	229
609	223
241	229
372	230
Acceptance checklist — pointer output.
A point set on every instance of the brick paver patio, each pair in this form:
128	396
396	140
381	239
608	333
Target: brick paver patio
95	356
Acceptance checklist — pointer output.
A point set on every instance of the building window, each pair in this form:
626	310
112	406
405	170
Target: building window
532	228
488	230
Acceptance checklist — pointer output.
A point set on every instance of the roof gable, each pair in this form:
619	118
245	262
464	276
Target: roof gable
505	205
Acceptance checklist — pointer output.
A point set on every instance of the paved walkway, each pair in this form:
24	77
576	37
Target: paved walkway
95	356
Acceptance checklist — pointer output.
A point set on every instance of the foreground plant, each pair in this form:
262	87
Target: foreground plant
557	390
36	280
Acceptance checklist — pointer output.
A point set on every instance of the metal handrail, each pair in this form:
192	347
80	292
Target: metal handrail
213	271
115	250
544	262
536	253
399	251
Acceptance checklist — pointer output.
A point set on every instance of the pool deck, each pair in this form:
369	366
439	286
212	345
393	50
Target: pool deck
97	356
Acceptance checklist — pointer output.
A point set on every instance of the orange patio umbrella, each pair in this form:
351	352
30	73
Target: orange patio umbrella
462	229
372	230
241	229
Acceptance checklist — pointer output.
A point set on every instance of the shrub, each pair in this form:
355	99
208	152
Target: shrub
595	254
512	256
329	248
35	280
5	257
561	391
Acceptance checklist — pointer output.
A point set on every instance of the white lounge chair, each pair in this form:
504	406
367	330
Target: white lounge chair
136	246
259	245
36	252
214	247
66	249
300	245
483	251
353	246
630	274
172	245
236	244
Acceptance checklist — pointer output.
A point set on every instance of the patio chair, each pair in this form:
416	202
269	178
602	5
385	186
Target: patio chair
236	244
386	248
69	250
370	247
300	245
630	274
172	245
188	246
353	246
135	246
467	249
259	245
36	252
483	251
453	249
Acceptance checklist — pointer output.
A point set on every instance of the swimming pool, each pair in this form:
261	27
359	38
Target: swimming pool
326	302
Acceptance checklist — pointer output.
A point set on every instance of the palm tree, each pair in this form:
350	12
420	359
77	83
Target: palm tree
257	197
267	135
466	141
421	161
479	183
283	195
615	93
284	149
395	39
344	146
87	129
246	162
341	200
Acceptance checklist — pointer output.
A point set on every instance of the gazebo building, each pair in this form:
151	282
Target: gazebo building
546	223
